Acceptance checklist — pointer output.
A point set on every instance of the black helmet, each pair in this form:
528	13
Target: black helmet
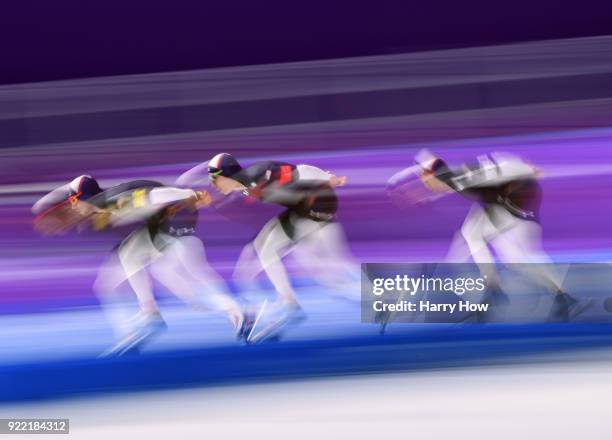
223	164
84	187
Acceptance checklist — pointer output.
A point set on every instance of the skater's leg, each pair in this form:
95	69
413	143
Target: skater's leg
117	306
324	253
458	251
248	265
169	272
269	245
135	253
477	230
521	245
190	253
132	257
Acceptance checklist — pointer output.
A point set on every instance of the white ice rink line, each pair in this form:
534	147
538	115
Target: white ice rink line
543	401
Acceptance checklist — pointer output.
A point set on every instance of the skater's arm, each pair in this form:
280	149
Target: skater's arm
406	189
168	195
285	184
195	177
307	173
58	195
492	170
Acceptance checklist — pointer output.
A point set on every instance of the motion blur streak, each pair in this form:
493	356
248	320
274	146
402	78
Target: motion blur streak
547	59
548	102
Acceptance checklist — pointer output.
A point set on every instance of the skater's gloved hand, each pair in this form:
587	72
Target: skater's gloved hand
202	199
335	181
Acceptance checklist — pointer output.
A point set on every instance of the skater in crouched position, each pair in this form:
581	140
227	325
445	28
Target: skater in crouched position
310	201
161	243
504	216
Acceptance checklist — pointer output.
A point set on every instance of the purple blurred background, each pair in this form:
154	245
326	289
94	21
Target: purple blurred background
549	102
124	90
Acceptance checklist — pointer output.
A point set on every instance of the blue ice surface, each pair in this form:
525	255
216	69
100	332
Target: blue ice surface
48	356
291	359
